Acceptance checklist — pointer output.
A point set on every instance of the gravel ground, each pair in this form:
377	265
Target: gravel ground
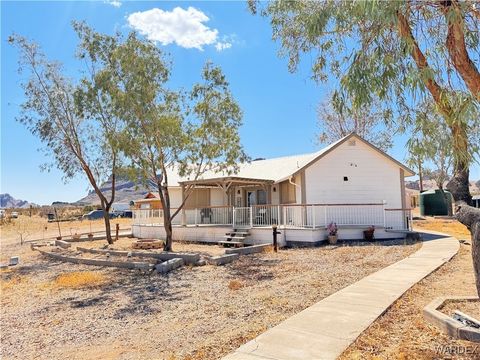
471	308
402	332
191	313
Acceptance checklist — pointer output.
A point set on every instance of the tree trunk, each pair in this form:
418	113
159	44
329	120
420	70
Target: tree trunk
459	185
106	218
467	215
420	175
167	224
470	217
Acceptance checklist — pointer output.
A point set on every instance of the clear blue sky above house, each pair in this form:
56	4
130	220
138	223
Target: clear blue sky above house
279	107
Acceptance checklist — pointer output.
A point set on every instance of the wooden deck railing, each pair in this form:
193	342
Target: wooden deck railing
309	216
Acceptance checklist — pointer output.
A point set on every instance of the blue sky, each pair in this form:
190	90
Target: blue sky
279	107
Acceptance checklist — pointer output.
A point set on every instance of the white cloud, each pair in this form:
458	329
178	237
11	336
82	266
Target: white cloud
220	46
116	3
186	28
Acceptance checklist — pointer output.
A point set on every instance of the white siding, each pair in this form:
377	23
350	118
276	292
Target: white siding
175	197
371	177
298	188
276	194
217	197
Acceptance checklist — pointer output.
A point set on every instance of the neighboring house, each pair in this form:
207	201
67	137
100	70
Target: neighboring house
413	197
350	182
150	201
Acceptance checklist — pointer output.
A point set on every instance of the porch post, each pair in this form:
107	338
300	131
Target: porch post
384	215
313	216
184	216
251	217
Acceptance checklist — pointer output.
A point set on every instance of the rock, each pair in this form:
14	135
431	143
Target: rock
169	265
201	262
222	260
62	244
14	260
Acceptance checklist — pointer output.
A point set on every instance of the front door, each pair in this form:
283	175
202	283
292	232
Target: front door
251	198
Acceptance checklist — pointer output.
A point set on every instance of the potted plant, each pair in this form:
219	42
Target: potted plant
332	233
368	234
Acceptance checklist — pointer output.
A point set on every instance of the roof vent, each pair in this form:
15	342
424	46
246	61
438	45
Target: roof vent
351	143
258	159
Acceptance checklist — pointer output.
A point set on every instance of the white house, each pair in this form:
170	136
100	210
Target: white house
350	182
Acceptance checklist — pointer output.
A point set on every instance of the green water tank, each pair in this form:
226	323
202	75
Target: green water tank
433	203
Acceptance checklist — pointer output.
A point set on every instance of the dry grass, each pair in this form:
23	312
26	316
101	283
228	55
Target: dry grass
11	283
402	332
451	227
80	280
235	285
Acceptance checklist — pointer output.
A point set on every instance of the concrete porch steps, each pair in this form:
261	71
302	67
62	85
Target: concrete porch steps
234	237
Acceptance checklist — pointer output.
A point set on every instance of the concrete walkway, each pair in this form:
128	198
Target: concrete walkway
324	330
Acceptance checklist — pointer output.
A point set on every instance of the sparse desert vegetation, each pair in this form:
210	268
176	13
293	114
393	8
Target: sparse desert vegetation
75	311
37	228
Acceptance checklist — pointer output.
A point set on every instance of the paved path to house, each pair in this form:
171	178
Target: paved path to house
324	330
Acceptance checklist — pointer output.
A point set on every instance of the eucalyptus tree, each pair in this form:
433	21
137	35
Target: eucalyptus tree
337	118
72	120
166	131
416	157
401	52
430	141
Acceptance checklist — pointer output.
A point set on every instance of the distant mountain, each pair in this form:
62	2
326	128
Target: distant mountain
125	191
8	201
430	184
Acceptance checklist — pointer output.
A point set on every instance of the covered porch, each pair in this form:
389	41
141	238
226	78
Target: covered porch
299	216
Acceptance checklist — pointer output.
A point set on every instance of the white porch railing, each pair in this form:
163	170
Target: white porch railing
398	219
312	216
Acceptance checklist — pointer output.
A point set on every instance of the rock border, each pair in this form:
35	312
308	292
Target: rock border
98	262
248	249
188	258
452	327
222	259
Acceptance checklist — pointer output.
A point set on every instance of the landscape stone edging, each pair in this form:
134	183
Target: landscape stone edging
188	258
169	265
62	244
97	237
222	259
98	262
248	249
452	327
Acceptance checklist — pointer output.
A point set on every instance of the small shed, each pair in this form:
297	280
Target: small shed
433	203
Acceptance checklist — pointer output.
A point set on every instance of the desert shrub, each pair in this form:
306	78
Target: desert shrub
80	279
235	285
